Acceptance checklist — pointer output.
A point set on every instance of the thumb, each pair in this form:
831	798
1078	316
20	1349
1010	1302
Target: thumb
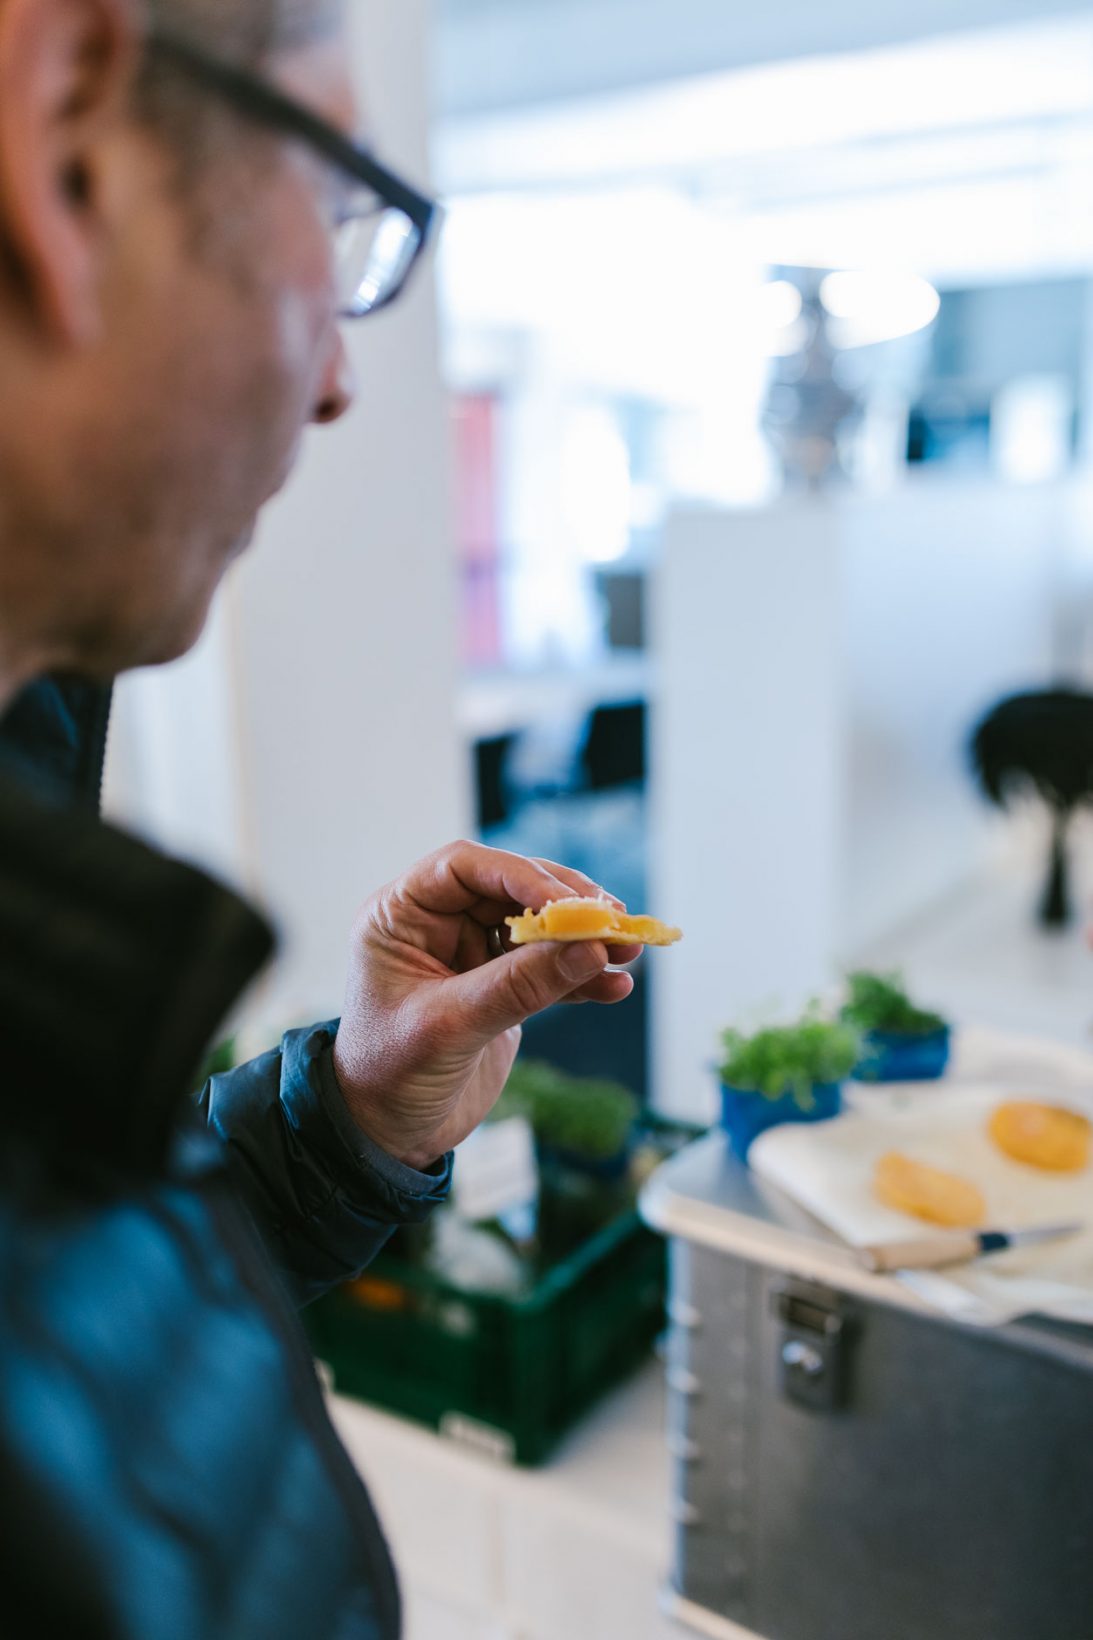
505	992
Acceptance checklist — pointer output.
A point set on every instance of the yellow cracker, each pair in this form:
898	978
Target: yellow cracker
1044	1136
589	919
928	1193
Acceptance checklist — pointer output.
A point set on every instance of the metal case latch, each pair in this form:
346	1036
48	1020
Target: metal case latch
812	1344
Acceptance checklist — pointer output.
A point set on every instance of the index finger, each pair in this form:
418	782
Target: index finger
488	883
579	884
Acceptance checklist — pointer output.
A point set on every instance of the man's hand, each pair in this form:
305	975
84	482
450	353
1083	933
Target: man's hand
436	995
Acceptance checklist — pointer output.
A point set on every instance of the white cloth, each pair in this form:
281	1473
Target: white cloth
828	1167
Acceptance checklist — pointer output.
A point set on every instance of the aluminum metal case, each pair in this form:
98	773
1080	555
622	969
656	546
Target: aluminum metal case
848	1464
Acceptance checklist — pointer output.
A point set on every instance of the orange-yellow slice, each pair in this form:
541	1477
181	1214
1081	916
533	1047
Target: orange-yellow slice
1045	1136
927	1192
589	919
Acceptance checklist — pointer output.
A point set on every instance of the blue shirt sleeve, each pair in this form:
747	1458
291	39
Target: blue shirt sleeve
324	1197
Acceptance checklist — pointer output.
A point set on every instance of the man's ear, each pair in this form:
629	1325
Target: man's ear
66	69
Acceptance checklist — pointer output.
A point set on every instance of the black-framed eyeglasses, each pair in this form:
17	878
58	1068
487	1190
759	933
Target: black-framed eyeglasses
384	224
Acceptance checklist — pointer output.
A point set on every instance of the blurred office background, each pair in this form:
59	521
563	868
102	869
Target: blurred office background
733	457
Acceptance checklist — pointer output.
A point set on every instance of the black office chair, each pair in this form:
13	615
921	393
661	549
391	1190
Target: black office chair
614	749
1041	743
491	782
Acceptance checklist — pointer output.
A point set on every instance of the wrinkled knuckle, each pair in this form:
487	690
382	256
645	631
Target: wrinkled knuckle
456	850
379	917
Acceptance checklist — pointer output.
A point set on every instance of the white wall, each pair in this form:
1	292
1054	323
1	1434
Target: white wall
819	667
332	667
951	601
172	771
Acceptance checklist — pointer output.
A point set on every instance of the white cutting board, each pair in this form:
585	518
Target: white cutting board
828	1167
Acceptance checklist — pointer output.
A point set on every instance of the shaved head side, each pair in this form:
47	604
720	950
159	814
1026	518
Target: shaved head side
245	32
168	309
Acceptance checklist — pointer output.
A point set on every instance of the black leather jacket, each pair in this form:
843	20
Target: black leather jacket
167	1467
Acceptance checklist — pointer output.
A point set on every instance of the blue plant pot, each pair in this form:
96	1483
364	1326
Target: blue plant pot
745	1114
902	1056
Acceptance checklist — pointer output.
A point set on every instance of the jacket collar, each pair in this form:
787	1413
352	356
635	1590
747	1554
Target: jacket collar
116	967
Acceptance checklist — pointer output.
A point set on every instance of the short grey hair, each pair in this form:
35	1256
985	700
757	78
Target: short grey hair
245	32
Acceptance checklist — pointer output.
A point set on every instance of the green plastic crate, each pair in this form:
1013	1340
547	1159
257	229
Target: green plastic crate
508	1374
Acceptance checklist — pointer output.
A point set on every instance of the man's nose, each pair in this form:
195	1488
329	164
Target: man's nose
338	387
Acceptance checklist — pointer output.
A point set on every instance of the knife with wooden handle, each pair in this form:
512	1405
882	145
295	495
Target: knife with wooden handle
956	1247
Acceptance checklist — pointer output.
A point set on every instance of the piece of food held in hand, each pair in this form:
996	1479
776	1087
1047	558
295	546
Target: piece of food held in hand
928	1193
1044	1136
589	919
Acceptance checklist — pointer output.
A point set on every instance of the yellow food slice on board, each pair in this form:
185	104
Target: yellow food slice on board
589	919
928	1193
1045	1136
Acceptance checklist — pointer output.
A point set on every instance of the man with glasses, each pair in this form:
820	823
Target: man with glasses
184	219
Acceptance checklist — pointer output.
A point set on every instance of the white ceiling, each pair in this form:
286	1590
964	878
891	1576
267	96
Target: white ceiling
964	157
506	54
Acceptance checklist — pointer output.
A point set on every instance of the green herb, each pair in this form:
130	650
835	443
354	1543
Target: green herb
792	1059
580	1114
879	1002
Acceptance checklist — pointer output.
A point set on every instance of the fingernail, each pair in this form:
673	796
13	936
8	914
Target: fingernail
581	960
